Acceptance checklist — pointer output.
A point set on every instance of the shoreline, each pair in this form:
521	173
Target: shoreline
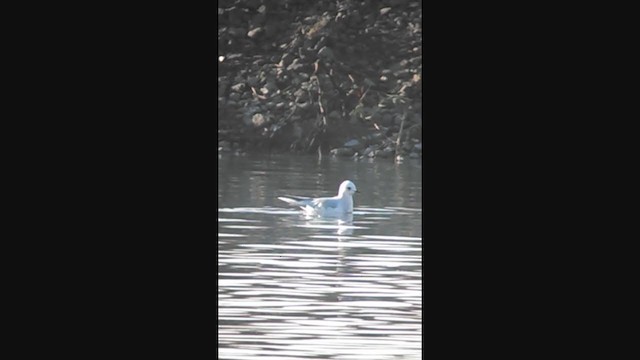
331	80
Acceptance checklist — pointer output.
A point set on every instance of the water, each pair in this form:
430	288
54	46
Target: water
296	288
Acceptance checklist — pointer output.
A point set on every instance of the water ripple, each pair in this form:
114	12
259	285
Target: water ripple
296	288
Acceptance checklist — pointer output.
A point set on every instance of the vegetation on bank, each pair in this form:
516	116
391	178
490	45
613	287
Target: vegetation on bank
339	77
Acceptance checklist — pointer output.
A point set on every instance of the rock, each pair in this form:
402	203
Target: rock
387	119
342	152
383	11
334	115
375	137
385	153
253	81
353	143
369	150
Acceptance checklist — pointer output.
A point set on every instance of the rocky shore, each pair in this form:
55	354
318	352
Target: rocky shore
336	77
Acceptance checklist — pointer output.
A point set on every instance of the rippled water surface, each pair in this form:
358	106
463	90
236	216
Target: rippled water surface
290	287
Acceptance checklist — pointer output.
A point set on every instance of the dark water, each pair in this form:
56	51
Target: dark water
297	288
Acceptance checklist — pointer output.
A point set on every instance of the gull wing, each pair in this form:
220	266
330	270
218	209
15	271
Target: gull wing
326	203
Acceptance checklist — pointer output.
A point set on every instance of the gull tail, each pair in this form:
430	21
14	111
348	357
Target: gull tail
299	201
290	201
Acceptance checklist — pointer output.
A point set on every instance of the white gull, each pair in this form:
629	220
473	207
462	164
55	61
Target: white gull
337	206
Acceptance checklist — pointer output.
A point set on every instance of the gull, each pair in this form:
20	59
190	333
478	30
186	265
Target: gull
337	206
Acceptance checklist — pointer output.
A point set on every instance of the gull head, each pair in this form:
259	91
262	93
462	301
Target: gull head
347	187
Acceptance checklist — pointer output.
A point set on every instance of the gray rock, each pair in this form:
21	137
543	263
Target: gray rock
369	150
353	143
334	115
387	119
383	11
253	81
342	152
385	153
